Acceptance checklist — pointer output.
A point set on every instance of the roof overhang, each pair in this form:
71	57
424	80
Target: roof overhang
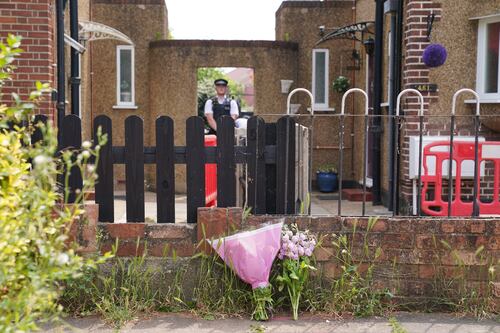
90	31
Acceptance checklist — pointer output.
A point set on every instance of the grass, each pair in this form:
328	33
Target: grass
453	290
396	326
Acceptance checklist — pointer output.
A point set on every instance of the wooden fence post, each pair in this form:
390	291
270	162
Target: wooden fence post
285	166
165	170
134	168
195	166
71	138
104	195
226	167
256	136
271	171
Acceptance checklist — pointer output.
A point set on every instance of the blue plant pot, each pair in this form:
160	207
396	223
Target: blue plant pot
327	181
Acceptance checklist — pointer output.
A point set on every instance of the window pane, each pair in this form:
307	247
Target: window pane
319	75
126	76
491	70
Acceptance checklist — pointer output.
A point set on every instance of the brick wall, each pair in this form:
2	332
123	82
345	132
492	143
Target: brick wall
34	20
415	72
408	260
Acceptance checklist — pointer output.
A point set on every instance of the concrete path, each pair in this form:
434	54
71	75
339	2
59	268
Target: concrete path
321	204
186	323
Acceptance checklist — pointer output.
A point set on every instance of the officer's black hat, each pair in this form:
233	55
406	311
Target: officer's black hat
220	82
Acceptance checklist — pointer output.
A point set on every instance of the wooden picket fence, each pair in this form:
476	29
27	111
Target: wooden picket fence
270	156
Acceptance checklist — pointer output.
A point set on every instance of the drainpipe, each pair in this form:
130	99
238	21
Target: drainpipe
397	70
395	7
75	60
377	100
390	8
61	94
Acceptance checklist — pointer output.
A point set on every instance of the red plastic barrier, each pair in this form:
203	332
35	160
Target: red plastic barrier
210	175
462	151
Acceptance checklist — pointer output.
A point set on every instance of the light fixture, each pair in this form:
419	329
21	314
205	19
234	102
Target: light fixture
369	46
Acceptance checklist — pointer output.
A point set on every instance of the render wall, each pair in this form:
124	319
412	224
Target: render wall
173	66
299	21
142	21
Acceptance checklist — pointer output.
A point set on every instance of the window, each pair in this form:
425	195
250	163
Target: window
320	78
125	76
488	69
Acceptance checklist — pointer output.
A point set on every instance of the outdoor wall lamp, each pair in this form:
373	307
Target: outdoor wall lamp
369	46
321	30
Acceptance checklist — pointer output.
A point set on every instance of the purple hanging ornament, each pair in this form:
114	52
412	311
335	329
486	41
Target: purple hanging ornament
434	55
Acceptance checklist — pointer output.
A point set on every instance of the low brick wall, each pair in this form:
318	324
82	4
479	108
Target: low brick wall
411	249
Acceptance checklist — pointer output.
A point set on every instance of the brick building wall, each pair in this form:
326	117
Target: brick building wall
34	20
415	72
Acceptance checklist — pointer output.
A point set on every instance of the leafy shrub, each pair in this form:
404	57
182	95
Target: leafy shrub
35	257
341	84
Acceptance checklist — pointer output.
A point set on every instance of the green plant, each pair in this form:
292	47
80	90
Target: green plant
396	326
452	287
125	291
297	248
353	291
35	256
218	290
341	84
327	168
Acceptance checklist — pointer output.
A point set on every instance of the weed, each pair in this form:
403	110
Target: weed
452	288
125	291
219	291
396	326
354	291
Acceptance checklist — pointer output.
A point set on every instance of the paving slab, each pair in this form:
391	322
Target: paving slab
187	323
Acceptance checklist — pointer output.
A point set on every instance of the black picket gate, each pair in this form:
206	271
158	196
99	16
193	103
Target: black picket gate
269	156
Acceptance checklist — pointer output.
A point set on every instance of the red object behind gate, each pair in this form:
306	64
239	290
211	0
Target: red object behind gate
210	175
462	151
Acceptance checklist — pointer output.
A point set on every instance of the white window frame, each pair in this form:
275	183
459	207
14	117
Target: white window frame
119	103
481	60
321	106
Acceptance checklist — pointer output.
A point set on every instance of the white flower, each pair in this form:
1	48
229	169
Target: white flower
344	251
86	144
90	168
491	270
40	159
85	154
5	142
62	259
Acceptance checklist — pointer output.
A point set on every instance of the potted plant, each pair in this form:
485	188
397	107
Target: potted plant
341	84
327	179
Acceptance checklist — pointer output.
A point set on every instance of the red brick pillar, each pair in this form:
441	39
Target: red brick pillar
34	21
215	222
415	72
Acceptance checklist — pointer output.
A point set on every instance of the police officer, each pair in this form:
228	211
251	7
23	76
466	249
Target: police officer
220	105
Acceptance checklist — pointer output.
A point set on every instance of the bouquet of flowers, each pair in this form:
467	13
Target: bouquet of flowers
251	254
296	249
